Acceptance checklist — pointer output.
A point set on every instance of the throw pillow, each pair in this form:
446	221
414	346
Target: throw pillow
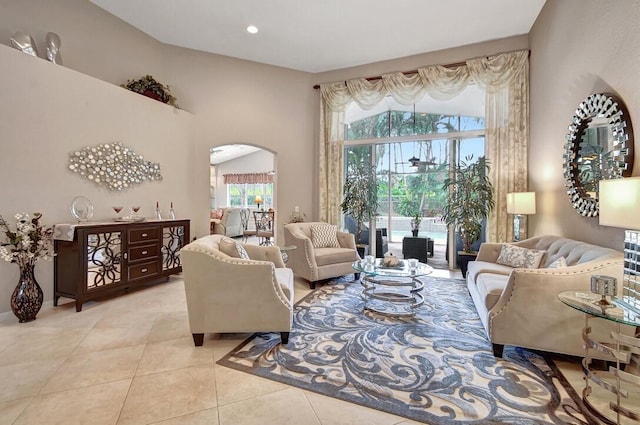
324	236
515	256
242	252
559	262
216	214
228	246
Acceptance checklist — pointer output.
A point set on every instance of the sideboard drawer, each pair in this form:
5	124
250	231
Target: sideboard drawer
140	271
143	252
144	234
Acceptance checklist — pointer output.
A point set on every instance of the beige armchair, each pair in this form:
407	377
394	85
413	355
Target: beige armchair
230	224
316	264
226	293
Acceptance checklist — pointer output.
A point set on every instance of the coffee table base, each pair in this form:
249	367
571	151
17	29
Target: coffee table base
397	297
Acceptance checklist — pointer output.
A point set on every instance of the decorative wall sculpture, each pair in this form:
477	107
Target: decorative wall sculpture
113	165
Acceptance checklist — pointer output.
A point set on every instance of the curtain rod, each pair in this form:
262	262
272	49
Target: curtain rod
415	71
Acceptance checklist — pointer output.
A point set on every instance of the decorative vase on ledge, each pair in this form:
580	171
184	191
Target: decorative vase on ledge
27	298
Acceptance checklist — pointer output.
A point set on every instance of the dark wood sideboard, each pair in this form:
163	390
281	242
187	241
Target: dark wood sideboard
106	258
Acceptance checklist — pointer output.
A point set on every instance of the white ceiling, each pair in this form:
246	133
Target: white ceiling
225	153
323	35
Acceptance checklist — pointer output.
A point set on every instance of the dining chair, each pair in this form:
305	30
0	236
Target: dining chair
264	226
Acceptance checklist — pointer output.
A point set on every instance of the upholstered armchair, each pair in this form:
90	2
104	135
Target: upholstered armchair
227	293
314	258
230	224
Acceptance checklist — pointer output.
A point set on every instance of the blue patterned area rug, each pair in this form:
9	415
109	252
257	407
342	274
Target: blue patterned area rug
436	367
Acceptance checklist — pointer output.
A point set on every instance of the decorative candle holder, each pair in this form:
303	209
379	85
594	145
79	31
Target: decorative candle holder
604	285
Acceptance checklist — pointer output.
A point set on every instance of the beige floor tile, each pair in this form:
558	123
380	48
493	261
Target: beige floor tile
10	410
98	405
99	339
42	344
204	417
166	395
233	385
21	380
332	411
223	343
170	326
173	354
99	367
286	407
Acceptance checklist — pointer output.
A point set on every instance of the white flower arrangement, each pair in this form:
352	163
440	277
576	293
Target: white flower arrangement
29	243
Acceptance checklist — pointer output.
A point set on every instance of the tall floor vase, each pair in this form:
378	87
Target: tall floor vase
27	298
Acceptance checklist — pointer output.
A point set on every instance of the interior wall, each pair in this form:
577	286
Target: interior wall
49	111
578	47
257	162
233	100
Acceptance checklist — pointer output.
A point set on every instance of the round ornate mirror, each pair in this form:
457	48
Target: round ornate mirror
599	146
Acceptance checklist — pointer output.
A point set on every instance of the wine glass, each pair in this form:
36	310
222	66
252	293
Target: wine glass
135	210
117	210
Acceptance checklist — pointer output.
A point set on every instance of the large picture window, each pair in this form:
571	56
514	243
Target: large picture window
415	146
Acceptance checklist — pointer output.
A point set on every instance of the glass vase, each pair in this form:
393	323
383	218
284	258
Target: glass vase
27	298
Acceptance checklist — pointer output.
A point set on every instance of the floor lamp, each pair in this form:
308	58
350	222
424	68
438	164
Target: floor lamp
619	204
520	204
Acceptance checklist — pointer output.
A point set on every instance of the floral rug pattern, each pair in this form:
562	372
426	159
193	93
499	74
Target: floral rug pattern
436	367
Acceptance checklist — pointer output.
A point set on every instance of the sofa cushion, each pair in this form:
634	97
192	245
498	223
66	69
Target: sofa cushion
285	280
515	256
324	236
327	256
558	262
476	267
490	287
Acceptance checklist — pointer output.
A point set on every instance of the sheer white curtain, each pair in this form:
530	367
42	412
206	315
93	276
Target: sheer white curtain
506	80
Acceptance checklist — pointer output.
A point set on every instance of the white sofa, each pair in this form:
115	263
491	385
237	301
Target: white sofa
520	306
226	293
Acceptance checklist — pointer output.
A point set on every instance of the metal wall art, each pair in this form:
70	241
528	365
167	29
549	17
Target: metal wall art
599	146
112	165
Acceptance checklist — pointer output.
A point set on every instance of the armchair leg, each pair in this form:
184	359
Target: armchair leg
356	276
497	350
284	337
312	285
198	339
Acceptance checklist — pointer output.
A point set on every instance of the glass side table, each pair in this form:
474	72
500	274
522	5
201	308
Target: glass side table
624	350
391	291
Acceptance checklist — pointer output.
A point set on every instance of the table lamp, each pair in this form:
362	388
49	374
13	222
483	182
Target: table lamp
619	206
258	200
520	204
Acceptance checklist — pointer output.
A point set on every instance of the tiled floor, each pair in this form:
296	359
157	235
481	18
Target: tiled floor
131	360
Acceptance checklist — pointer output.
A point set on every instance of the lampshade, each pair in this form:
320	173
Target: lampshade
521	203
619	203
258	199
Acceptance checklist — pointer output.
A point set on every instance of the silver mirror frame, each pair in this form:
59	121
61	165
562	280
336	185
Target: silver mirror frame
611	108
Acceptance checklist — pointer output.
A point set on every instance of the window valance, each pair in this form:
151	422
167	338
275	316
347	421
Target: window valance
441	83
248	178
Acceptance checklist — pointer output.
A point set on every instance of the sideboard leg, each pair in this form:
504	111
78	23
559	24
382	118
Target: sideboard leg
497	350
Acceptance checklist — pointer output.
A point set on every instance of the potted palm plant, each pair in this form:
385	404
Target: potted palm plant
360	188
470	201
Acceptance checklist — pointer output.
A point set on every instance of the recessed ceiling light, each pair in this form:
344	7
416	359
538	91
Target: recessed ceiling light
252	29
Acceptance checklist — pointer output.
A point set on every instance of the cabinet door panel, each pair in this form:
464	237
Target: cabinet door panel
173	238
104	259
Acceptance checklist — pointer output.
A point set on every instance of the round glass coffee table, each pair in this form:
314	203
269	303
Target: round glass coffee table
391	291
